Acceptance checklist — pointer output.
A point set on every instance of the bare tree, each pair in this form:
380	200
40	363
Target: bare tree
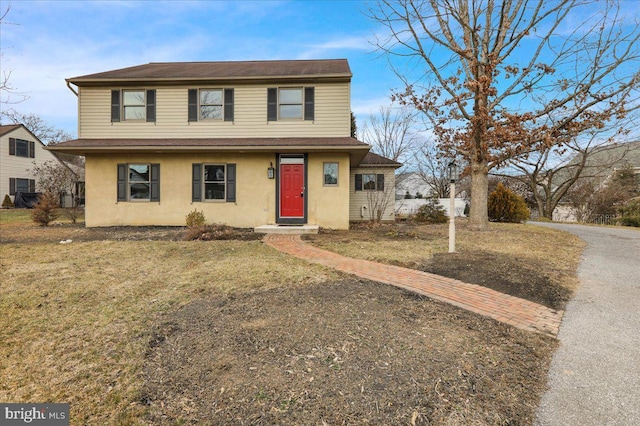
432	168
500	80
391	133
6	89
36	125
56	178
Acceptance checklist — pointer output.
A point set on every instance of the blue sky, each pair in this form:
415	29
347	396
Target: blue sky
44	42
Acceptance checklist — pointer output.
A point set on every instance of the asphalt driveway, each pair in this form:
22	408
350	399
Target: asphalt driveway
595	374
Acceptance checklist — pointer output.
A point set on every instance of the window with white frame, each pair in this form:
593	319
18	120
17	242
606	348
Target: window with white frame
290	103
133	104
330	174
211	104
214	182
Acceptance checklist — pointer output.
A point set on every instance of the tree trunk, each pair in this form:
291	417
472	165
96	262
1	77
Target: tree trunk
478	215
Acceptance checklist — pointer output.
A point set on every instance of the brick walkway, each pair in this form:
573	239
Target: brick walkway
511	310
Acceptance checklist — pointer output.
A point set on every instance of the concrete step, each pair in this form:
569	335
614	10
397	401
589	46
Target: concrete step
287	229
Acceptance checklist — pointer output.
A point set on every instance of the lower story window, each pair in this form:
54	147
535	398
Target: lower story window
139	182
369	181
214	182
21	185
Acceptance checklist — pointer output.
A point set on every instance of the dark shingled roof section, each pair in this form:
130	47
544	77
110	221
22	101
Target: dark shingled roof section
6	128
375	160
224	70
346	142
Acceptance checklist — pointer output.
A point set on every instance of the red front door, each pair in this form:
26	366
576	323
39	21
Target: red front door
291	190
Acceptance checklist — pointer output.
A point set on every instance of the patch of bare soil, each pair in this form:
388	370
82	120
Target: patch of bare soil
348	352
78	232
507	274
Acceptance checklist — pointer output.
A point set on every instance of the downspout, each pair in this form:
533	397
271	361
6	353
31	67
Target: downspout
71	88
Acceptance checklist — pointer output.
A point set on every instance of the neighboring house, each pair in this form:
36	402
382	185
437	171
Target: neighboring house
412	183
247	143
20	152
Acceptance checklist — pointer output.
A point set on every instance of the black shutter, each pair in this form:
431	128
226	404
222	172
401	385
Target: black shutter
12	186
228	104
193	104
155	182
151	106
380	182
12	146
272	104
122	182
231	183
358	182
309	103
115	106
32	150
196	191
32	185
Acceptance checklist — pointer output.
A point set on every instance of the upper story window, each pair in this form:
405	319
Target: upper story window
133	105
22	148
210	104
290	103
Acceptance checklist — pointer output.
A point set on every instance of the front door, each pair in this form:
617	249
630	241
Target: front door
292	190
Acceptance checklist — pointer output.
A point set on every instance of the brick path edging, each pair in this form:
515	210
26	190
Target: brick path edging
512	310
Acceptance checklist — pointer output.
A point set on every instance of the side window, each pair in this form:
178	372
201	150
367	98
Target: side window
369	182
330	174
22	148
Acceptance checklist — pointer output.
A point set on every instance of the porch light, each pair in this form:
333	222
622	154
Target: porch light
453	172
271	172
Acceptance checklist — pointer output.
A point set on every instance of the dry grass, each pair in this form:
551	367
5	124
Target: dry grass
76	318
410	245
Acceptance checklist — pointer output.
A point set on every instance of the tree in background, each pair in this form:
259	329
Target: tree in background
502	80
391	133
6	89
590	198
55	177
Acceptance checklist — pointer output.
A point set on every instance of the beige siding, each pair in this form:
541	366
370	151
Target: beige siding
255	196
12	166
332	116
363	203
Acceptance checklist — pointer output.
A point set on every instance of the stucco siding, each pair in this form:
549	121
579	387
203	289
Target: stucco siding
255	193
332	115
13	166
363	204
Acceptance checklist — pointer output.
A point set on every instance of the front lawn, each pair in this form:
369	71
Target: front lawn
138	327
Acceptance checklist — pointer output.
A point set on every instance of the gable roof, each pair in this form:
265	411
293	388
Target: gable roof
7	128
332	69
375	160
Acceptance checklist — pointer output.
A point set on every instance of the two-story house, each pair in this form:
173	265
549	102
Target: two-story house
247	143
20	153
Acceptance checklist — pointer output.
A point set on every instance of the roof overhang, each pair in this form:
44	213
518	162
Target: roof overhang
356	149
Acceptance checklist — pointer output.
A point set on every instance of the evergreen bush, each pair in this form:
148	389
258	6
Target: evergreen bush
7	203
46	211
506	206
432	212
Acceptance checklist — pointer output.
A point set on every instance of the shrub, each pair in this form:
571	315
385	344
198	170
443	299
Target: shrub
7	203
195	219
46	211
506	206
631	213
73	213
432	212
210	233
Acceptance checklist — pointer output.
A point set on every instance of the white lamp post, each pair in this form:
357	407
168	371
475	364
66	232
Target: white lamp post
453	176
